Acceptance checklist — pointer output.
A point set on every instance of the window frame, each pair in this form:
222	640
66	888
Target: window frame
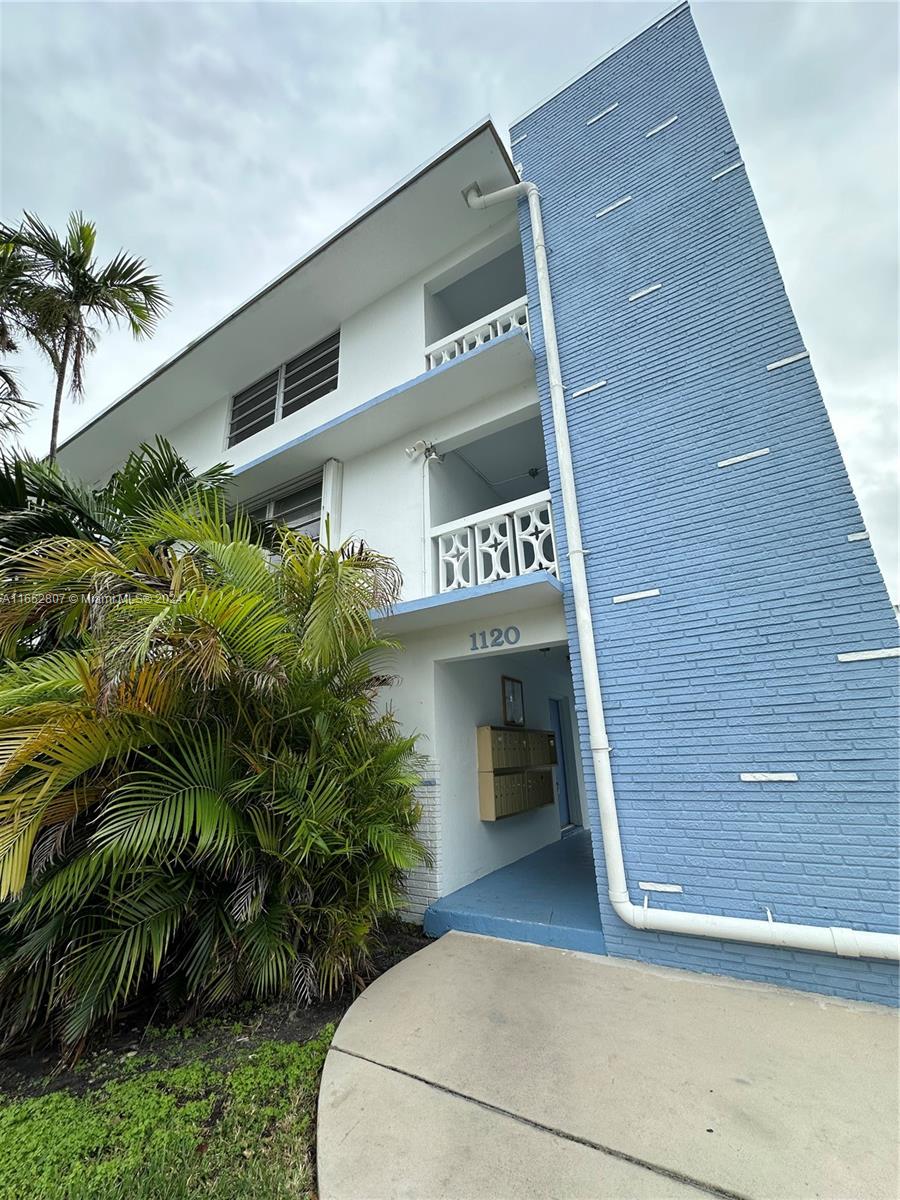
280	372
270	499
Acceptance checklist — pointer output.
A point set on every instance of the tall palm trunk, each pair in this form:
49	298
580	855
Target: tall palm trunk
60	385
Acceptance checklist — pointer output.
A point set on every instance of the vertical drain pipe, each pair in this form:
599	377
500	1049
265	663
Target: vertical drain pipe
600	748
844	941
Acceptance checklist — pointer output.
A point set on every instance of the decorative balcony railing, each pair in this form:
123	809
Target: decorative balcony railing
512	316
512	539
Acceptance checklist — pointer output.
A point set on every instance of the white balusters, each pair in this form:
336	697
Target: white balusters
534	538
494	325
494	554
512	539
455	559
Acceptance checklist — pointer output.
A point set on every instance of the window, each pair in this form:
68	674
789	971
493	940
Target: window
280	393
300	510
310	376
253	409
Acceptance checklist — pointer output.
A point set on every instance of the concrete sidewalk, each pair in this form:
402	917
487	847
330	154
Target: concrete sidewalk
480	1069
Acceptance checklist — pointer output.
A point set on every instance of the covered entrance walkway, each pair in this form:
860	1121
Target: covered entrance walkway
549	898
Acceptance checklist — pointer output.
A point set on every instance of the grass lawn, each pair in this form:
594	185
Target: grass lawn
224	1109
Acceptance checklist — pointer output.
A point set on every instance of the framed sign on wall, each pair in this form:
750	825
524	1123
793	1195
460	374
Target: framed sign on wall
513	700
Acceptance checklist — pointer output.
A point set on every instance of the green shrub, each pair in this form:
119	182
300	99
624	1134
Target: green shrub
199	793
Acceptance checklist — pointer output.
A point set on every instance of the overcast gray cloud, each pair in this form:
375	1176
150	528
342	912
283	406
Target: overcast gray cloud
221	141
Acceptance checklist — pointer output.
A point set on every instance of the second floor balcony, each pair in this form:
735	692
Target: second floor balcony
497	543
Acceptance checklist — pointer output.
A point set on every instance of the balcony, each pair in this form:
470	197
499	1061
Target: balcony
499	543
512	316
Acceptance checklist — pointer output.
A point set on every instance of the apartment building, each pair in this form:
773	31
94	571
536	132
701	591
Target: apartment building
646	644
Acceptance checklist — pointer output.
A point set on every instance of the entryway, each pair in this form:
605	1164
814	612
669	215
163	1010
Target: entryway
516	860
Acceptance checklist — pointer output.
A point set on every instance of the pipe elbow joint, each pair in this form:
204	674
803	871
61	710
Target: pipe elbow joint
630	913
473	196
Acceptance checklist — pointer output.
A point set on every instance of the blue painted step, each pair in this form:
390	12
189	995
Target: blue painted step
548	898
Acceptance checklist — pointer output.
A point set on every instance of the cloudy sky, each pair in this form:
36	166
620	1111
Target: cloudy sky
220	141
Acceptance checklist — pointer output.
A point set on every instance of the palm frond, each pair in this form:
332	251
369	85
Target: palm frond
52	289
176	804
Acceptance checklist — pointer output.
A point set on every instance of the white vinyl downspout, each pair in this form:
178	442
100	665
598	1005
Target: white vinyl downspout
850	943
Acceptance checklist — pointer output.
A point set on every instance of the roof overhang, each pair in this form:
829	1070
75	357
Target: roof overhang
419	221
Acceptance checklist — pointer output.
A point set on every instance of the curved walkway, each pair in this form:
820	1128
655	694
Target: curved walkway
481	1069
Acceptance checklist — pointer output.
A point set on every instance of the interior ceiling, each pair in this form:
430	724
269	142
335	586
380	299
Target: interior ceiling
485	289
502	459
553	657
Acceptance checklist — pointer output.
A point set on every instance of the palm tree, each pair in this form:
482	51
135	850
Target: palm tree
15	309
39	500
13	405
69	289
200	794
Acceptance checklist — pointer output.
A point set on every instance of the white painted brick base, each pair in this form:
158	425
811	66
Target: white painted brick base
423	884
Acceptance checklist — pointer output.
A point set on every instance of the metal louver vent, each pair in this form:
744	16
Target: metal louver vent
300	511
306	378
311	375
253	409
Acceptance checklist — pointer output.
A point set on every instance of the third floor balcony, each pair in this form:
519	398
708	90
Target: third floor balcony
513	315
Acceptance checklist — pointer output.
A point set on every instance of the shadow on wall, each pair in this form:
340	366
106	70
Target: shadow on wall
468	694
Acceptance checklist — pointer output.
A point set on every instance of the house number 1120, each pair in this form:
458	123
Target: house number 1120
488	639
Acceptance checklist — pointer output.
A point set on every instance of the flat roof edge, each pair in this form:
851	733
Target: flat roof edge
665	15
485	125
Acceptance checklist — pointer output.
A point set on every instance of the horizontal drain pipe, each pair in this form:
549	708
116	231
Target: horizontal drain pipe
842	940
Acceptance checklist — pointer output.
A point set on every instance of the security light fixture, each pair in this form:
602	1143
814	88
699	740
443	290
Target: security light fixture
424	448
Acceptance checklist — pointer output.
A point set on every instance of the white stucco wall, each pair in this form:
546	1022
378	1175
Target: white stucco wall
413	695
386	496
201	439
383	345
443	692
456	490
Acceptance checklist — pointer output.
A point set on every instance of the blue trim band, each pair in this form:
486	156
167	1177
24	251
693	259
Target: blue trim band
388	395
448	599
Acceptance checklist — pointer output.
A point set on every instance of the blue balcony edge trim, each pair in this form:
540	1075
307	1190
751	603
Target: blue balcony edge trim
380	399
460	594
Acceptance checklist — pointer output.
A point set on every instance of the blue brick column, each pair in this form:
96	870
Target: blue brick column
733	668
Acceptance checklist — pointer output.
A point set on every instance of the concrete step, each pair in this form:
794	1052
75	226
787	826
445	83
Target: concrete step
440	920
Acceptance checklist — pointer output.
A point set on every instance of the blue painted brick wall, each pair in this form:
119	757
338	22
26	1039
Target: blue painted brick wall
733	668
